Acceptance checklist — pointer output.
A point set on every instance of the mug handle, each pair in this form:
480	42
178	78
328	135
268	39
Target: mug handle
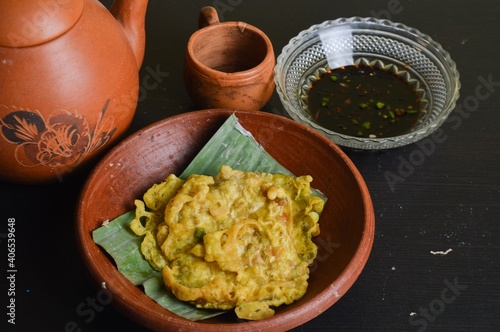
208	16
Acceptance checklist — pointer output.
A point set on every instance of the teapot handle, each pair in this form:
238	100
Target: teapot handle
131	15
208	16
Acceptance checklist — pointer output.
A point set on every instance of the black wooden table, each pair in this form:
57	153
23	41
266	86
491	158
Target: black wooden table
435	262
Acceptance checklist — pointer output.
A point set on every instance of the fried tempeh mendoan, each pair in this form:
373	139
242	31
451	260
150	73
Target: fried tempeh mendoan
239	240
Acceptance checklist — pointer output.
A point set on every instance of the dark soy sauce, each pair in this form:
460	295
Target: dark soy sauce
364	102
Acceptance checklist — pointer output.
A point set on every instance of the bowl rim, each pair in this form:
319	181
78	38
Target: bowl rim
196	64
319	303
398	29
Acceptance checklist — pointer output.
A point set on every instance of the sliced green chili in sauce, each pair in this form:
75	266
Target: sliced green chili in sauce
363	101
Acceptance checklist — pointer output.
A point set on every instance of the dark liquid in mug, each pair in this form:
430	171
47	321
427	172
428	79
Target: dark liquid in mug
364	102
231	51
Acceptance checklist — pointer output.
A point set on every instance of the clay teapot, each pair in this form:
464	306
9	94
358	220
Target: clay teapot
69	83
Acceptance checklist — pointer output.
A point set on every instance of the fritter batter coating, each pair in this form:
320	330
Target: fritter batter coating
239	240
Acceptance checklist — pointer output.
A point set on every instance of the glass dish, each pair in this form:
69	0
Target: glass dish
394	47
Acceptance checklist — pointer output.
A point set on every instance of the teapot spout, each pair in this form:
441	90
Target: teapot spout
131	14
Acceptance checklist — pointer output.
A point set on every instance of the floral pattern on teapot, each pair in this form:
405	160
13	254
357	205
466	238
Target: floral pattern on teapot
62	139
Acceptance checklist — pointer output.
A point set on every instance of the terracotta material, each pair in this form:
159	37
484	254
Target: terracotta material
148	156
229	64
68	83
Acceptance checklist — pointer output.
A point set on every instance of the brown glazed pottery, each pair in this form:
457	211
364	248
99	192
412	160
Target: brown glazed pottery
69	83
228	64
148	156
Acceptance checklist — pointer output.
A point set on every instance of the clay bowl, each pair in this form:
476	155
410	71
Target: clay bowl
148	156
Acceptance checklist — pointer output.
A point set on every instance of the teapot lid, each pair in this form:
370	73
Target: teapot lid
29	22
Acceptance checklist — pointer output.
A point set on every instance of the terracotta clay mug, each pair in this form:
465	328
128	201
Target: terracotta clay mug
228	64
69	83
